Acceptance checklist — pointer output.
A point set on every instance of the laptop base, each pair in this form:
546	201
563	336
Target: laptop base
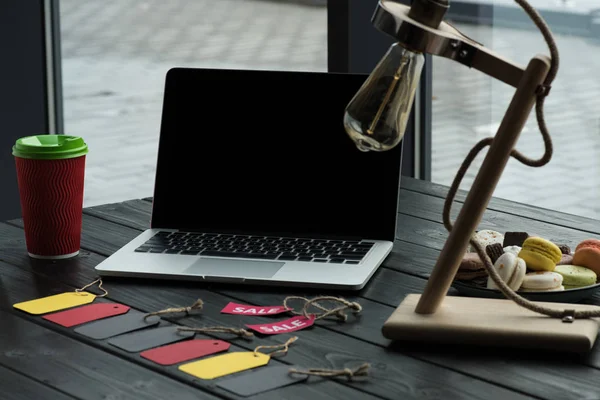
126	262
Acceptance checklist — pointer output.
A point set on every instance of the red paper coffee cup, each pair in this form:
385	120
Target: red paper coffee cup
50	173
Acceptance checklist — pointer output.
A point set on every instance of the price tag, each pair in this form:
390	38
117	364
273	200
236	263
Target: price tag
55	303
225	364
81	315
184	351
103	329
260	380
241	309
286	326
231	363
149	338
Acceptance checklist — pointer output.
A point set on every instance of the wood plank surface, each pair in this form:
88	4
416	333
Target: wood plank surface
394	373
426	233
370	334
131	213
14	386
81	371
553	217
425	209
19	288
409	370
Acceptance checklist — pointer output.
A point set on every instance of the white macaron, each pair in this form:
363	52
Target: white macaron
512	249
542	281
511	269
487	237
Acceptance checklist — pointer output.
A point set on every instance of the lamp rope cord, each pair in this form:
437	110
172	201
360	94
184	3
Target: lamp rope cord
361	370
543	160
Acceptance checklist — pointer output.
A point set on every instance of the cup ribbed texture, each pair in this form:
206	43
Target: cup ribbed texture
51	194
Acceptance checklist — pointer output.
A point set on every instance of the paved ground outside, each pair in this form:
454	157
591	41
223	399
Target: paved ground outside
116	53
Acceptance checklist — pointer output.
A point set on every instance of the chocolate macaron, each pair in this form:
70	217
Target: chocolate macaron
471	267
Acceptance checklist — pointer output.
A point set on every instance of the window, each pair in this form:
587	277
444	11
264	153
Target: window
459	106
468	106
115	54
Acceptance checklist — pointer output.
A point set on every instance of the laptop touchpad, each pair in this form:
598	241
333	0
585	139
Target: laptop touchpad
234	268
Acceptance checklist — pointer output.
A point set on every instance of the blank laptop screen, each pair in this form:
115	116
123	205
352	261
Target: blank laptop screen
265	152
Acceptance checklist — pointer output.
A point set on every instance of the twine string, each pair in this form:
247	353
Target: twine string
198	304
218	329
361	370
542	93
338	311
99	282
304	299
279	348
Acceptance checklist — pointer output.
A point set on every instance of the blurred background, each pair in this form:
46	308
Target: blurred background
115	54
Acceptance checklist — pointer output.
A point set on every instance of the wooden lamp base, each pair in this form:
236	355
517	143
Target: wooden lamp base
493	322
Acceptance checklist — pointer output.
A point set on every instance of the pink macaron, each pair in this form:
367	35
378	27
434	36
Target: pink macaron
587	254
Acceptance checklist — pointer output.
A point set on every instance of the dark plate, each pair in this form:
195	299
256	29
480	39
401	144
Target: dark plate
564	296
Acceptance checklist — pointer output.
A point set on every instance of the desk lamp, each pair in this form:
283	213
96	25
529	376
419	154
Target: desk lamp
375	120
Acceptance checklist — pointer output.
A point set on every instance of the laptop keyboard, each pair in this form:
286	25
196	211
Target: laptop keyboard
258	247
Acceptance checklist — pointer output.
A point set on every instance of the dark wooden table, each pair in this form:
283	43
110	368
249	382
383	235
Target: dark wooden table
40	360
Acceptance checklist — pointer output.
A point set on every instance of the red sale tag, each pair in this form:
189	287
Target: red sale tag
81	315
241	309
184	351
289	325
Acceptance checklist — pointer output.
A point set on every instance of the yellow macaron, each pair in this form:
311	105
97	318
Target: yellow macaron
540	254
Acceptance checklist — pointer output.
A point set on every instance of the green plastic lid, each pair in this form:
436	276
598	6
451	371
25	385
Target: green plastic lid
50	147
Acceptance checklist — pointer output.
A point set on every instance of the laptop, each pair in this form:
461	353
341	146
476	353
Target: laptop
258	183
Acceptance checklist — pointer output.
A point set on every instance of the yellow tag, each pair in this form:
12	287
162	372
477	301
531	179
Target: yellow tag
55	302
226	364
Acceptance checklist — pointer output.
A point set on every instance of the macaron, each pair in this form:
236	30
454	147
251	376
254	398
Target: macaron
587	254
540	254
511	269
542	281
471	267
576	276
566	259
565	249
487	237
556	289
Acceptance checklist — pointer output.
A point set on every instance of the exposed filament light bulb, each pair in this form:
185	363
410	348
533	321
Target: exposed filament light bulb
376	117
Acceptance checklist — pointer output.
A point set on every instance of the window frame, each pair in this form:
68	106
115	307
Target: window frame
31	99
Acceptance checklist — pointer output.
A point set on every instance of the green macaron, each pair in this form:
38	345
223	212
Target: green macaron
576	276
